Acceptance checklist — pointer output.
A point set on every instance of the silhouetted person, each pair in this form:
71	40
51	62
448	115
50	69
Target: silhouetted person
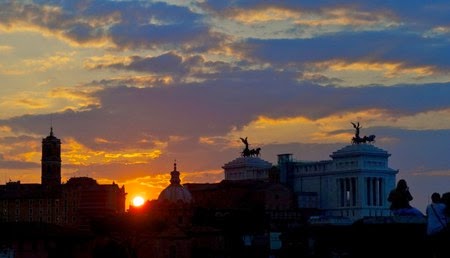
445	199
400	198
436	225
436	219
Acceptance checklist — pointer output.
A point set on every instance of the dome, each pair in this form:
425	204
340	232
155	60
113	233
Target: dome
362	149
244	168
247	162
175	191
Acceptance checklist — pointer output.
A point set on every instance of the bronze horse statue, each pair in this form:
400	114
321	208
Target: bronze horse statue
357	139
369	139
249	152
255	152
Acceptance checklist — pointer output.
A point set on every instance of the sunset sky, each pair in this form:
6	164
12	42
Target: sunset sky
131	86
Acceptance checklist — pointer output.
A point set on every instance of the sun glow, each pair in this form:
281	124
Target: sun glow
138	201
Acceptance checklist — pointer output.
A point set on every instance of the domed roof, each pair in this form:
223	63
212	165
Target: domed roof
175	191
359	150
248	162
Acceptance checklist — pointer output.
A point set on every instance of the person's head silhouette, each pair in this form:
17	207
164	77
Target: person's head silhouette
436	197
402	185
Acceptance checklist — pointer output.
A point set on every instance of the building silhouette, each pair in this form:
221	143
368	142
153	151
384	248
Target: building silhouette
328	208
247	167
72	204
171	226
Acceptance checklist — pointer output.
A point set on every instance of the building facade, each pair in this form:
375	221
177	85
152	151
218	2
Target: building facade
355	183
243	168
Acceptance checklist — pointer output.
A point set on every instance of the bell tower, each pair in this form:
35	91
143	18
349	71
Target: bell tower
51	161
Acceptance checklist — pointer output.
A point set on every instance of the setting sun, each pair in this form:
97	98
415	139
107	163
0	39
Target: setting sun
138	201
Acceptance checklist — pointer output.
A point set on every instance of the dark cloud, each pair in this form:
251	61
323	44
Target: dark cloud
128	24
173	65
127	115
215	107
21	139
83	33
14	164
386	46
151	36
168	63
415	14
159	25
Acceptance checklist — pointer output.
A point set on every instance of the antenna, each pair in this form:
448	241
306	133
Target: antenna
51	124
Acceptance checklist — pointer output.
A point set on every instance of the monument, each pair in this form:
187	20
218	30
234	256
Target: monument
249	152
248	166
357	139
353	184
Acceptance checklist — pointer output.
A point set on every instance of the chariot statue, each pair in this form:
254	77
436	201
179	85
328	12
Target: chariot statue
358	139
249	152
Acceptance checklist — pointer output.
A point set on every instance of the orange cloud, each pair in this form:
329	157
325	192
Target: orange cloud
336	128
32	156
6	49
262	15
141	81
31	103
350	16
78	97
226	51
339	16
5	129
389	69
59	99
44	64
105	60
24	102
207	140
101	140
28	66
23	151
347	74
301	129
437	31
77	154
42	20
